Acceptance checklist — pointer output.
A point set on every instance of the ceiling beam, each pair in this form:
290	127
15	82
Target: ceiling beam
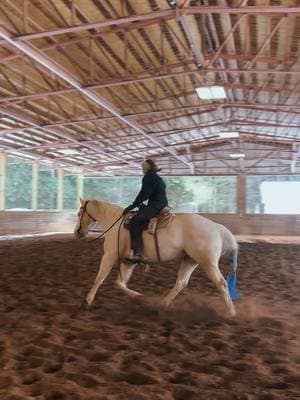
206	143
216	56
133	80
58	133
168	13
266	42
109	83
274	109
50	65
193	43
9	149
207	56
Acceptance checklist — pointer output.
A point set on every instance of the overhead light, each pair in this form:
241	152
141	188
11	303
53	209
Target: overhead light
68	151
211	92
237	155
20	154
172	3
228	135
204	93
112	167
218	92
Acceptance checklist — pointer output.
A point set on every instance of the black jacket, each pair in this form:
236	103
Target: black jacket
154	190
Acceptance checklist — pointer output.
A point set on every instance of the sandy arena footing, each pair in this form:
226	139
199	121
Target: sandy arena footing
122	349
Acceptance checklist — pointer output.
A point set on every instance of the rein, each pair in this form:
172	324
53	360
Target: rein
103	233
84	210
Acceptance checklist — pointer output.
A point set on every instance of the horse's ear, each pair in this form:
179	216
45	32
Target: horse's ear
81	201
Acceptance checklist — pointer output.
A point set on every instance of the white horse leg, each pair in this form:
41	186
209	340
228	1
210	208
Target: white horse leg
217	278
183	276
124	275
106	265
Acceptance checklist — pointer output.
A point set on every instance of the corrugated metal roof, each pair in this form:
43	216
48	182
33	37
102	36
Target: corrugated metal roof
114	82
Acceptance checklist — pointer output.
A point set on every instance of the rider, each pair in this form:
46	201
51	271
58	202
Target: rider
154	190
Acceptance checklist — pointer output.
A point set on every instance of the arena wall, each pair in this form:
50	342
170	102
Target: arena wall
26	222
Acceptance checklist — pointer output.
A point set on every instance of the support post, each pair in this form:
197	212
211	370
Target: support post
60	189
79	186
3	169
35	184
295	156
241	195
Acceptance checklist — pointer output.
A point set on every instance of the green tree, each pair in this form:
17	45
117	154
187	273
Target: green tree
106	189
225	194
47	189
118	190
178	192
130	189
70	193
18	183
213	194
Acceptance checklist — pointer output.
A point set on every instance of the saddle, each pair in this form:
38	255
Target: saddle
159	222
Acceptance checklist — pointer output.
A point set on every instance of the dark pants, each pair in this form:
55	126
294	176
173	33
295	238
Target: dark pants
137	225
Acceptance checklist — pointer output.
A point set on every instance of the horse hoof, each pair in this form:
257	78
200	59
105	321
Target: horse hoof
146	268
89	299
82	306
232	313
164	305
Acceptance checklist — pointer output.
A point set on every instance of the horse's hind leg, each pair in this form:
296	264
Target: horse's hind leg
184	273
217	278
124	275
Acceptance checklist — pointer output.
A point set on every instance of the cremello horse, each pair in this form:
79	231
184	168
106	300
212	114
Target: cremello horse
189	238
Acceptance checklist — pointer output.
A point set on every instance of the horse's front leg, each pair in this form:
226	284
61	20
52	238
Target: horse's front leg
124	275
106	265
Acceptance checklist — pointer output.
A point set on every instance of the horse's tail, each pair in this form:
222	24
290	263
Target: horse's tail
229	244
235	253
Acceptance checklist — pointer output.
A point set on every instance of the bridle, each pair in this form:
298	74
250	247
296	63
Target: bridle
83	209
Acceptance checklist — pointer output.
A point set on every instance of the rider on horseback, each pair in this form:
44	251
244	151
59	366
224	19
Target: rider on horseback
154	190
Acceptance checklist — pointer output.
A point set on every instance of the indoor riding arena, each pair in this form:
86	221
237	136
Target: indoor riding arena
209	92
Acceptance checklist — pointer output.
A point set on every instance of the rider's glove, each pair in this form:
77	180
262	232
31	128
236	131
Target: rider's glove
127	209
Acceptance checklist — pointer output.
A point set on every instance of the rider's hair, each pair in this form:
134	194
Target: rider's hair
152	164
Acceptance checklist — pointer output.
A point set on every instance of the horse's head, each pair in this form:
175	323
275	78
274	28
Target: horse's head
85	219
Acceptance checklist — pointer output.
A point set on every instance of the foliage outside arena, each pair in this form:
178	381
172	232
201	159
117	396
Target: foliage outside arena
187	194
206	194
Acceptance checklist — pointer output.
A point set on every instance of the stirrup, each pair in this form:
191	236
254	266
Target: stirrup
136	258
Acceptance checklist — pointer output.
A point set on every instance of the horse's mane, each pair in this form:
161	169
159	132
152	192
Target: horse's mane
107	208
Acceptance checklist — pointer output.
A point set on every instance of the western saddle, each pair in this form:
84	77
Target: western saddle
160	221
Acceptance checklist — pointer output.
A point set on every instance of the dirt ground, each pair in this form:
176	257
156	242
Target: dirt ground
122	348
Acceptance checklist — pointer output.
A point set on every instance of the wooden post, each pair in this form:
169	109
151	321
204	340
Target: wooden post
3	169
60	189
80	187
35	184
120	189
241	195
